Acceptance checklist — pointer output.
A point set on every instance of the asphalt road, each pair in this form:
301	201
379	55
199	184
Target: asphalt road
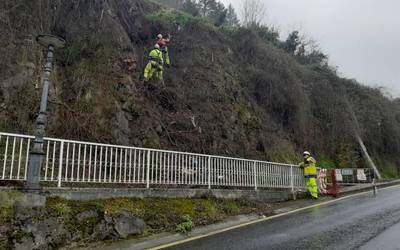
361	222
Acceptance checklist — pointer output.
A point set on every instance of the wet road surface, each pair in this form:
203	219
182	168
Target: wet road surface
361	222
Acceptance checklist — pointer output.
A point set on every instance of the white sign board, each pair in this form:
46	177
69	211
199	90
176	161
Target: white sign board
347	171
339	176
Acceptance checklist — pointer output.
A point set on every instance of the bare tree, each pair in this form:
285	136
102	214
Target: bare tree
253	12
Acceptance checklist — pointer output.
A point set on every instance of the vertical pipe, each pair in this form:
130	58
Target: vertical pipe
148	170
152	168
53	160
111	164
168	167
66	164
72	162
138	167
126	163
90	163
189	169
12	157
105	164
27	158
47	160
176	169
144	165
100	161
20	157
130	166
60	164
197	167
95	164
209	172
115	164
291	179
84	164
185	168
120	164
79	162
179	168
241	180
134	167
157	169
164	167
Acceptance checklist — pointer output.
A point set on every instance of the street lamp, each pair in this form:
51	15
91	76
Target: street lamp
37	153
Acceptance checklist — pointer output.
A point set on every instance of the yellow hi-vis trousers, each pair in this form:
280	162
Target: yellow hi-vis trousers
153	69
312	187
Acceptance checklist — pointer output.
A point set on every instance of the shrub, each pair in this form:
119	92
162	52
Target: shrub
186	225
61	209
171	16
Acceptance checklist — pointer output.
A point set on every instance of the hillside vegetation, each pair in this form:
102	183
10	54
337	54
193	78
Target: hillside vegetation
230	91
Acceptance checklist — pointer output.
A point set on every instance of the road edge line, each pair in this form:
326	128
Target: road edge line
264	219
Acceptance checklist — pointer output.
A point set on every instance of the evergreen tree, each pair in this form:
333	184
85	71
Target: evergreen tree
191	7
231	19
292	42
204	6
217	13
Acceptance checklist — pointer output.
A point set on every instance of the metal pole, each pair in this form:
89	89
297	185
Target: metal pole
148	170
255	175
292	183
36	154
209	172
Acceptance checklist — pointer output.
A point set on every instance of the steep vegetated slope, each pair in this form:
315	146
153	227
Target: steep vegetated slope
228	91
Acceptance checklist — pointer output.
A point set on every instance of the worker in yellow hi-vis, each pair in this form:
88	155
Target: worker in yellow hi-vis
155	65
310	173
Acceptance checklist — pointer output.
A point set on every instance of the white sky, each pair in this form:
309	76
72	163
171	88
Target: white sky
361	37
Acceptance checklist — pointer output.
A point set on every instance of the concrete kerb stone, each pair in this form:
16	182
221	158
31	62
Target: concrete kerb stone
11	197
85	194
367	188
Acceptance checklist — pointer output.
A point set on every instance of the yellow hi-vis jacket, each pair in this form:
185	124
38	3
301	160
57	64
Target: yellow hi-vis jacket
156	55
309	166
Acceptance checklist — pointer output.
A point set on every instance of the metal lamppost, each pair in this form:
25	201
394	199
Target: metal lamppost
37	153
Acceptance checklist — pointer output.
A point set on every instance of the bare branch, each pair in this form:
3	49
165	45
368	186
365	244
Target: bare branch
253	12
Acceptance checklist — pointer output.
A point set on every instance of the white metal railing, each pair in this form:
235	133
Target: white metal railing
85	162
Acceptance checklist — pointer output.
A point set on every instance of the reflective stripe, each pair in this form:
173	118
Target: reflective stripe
310	176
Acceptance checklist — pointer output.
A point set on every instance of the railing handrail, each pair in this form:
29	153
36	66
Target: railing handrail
83	162
145	149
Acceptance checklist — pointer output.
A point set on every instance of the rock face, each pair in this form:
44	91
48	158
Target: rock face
46	233
42	232
127	224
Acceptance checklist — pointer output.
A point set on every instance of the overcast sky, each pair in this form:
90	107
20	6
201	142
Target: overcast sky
361	37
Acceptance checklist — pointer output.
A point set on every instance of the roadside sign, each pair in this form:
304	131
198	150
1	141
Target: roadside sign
347	171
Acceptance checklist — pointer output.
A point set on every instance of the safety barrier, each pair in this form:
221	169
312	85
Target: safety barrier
354	175
67	161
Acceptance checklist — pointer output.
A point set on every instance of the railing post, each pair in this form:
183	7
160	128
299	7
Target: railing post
209	172
255	175
291	178
292	182
60	164
148	170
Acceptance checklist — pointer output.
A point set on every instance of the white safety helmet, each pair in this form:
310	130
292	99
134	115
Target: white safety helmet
159	36
157	46
306	153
